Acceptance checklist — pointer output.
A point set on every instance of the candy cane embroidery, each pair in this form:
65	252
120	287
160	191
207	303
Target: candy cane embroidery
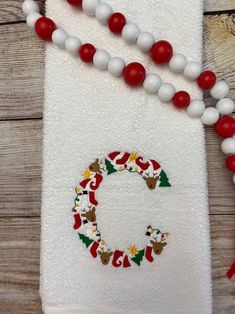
85	208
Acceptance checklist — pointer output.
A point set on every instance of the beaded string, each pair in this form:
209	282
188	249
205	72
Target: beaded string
134	74
161	51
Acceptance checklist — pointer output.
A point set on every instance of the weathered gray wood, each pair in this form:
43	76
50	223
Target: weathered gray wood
218	5
218	50
26	102
21	96
21	74
10	10
20	168
223	252
219	47
19	264
221	187
20	184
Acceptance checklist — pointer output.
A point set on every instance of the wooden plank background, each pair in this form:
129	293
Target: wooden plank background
218	5
21	99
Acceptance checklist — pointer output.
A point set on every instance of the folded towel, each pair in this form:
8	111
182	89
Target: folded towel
96	131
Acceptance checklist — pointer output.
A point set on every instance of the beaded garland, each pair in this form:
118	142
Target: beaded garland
134	74
85	223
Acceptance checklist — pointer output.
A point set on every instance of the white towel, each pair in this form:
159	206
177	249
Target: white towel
89	114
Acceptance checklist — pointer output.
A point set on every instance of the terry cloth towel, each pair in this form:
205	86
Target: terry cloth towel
87	115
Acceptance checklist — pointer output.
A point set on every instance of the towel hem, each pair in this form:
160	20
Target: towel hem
78	310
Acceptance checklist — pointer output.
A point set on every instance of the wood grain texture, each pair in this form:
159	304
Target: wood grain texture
19	264
219	47
220	185
219	55
22	70
21	97
21	155
218	5
21	75
223	252
10	10
20	170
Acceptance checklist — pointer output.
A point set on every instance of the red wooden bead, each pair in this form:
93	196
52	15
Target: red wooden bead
230	163
206	80
225	127
44	27
87	52
162	51
116	22
181	99
75	3
134	74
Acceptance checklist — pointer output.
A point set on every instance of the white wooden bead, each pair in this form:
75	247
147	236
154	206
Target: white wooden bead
89	6
192	70
145	41
101	60
116	66
166	92
225	106
30	6
220	90
210	116
32	19
130	33
178	63
196	108
72	45
228	146
234	178
152	83
103	13
59	37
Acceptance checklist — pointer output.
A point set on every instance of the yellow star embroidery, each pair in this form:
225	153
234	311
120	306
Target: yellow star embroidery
133	157
133	250
87	174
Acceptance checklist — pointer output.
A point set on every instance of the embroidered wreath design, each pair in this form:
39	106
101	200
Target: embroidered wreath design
86	203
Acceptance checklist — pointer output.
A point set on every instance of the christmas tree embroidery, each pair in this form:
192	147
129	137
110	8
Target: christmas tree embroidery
164	182
84	212
110	168
87	241
139	257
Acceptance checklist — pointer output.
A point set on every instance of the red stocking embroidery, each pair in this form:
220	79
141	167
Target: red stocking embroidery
94	248
78	221
148	254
